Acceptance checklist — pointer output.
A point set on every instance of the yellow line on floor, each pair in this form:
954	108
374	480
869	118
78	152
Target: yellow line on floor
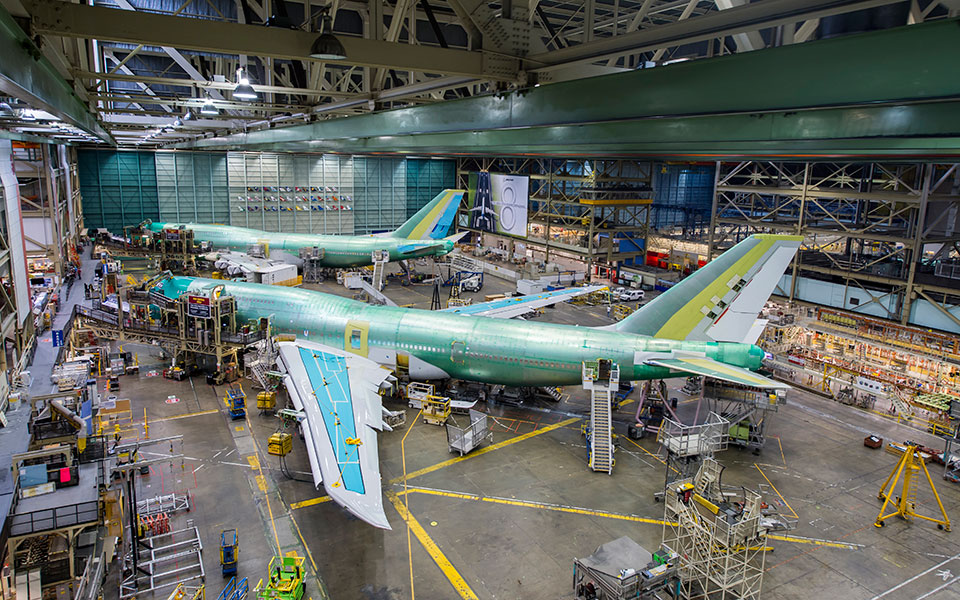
485	450
795	515
447	463
310	502
814	541
533	504
782	457
186	416
451	573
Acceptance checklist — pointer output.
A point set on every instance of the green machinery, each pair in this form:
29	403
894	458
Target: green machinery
229	551
284	579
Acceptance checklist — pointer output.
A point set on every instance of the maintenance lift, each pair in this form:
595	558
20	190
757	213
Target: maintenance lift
229	551
284	579
235	399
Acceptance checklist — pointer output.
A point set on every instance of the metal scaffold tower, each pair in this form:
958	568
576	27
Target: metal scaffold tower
602	379
312	264
721	545
747	409
687	447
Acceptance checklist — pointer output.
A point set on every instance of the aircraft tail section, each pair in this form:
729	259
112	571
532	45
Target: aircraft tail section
721	301
434	220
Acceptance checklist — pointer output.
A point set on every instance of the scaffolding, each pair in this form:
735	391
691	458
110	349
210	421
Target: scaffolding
686	447
865	226
312	264
747	409
721	545
592	211
194	324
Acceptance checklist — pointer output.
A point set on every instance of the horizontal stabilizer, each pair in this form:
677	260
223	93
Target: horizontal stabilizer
507	308
701	365
338	394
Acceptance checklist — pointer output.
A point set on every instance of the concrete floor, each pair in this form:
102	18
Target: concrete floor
507	523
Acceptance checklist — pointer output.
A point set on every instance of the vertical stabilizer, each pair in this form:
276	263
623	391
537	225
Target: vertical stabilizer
434	220
721	301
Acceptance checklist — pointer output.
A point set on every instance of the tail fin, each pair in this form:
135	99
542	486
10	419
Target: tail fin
433	221
721	301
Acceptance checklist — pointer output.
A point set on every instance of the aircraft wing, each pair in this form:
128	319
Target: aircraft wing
507	308
701	365
338	393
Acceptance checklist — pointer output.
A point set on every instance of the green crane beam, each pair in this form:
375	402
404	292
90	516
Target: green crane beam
887	92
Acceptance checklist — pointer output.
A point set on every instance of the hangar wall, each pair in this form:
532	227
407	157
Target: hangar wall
306	193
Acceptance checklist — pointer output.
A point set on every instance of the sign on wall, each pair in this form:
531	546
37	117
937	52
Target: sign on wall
498	203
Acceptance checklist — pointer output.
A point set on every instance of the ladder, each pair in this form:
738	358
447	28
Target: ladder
601	439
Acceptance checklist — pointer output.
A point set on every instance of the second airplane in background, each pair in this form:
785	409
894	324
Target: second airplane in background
424	234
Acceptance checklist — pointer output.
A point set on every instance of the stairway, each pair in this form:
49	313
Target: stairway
601	440
378	266
902	408
553	392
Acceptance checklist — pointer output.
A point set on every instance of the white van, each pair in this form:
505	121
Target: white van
631	295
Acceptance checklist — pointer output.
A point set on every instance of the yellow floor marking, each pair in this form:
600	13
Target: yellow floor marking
609	515
254	461
456	580
795	515
815	542
534	504
782	457
310	502
186	416
485	450
261	483
239	427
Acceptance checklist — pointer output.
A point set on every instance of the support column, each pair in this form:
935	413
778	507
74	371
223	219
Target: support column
917	248
711	240
799	230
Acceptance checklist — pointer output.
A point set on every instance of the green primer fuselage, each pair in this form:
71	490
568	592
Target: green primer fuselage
499	351
338	250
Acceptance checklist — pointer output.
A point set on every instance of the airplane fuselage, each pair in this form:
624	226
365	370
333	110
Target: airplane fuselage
338	250
437	344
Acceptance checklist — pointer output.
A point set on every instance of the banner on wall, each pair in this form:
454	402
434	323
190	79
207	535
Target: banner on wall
498	203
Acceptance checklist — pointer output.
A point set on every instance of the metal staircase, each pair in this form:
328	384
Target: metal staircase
601	440
902	408
553	392
380	259
601	378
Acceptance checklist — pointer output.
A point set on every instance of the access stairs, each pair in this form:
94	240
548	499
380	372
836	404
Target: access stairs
602	379
553	392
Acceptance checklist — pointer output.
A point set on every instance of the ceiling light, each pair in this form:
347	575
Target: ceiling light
209	108
327	46
244	90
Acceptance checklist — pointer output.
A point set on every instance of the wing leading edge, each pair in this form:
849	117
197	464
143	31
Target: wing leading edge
701	365
338	394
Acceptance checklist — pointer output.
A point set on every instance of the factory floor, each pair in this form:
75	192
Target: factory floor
506	522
